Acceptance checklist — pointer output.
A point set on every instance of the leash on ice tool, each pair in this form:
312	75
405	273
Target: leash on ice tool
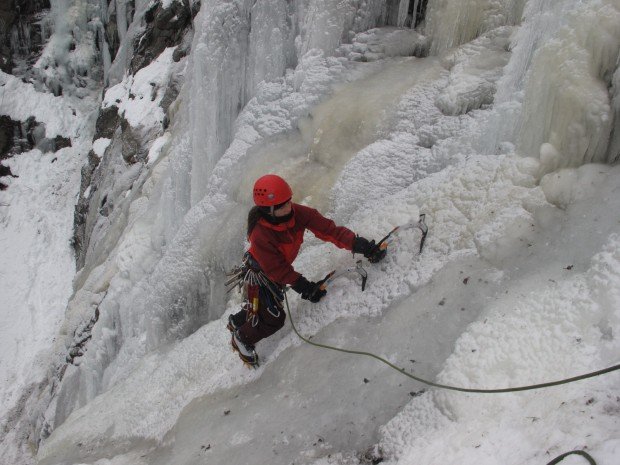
360	270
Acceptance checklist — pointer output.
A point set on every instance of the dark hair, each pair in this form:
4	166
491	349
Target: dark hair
254	215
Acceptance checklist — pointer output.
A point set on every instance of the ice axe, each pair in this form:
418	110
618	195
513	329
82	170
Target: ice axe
382	244
358	268
420	224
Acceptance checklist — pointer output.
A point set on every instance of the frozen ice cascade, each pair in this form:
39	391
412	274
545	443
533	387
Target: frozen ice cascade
499	119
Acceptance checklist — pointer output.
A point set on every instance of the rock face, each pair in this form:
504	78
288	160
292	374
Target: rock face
103	177
7	129
22	31
165	27
17	137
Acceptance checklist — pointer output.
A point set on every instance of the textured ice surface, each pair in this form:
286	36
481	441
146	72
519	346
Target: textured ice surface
517	282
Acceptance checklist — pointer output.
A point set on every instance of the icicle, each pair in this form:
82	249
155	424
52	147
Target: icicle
403	9
450	24
414	17
566	96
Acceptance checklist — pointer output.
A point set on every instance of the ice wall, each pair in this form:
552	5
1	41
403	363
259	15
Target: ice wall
567	100
239	44
451	23
613	152
556	97
255	69
160	278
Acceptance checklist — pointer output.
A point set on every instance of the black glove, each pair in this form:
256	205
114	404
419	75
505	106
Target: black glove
308	290
369	249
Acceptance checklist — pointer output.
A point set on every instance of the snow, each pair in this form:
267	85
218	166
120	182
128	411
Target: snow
556	321
35	232
157	147
100	145
518	283
20	101
138	97
38	264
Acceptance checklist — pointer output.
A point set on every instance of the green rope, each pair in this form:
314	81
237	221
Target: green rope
443	386
584	454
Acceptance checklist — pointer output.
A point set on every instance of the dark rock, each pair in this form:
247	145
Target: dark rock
170	95
414	18
21	31
80	213
35	132
107	122
7	18
17	137
111	36
61	142
373	455
178	54
7	131
420	14
132	148
81	336
21	136
166	27
5	171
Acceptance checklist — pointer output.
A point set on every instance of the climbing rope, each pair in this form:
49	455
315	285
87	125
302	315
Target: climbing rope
444	386
584	454
454	388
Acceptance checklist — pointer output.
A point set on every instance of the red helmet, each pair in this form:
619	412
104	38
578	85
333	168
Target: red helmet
271	190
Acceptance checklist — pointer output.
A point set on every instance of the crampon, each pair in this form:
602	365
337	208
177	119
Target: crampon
248	356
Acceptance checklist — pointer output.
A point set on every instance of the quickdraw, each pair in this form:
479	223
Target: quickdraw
257	289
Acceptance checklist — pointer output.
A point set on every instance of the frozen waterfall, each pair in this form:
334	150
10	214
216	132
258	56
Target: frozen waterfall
328	94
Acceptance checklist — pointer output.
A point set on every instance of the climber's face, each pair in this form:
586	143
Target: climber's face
284	210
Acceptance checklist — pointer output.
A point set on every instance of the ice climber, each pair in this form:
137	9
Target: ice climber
276	229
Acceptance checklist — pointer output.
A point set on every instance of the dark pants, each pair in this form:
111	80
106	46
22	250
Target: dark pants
270	316
253	330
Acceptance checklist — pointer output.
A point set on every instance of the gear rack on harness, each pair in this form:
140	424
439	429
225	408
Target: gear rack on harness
257	290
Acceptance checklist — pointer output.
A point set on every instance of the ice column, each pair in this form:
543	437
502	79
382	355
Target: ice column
240	43
403	8
452	23
613	153
271	44
567	101
217	83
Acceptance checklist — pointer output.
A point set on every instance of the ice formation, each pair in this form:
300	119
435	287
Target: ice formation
490	130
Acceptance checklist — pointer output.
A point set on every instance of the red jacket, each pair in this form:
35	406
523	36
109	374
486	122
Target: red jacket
275	247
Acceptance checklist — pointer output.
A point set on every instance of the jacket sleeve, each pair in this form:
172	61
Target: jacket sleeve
326	230
272	262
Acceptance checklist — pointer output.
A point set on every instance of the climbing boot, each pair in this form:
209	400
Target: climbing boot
246	352
232	326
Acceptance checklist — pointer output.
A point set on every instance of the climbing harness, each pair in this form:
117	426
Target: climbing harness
258	291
